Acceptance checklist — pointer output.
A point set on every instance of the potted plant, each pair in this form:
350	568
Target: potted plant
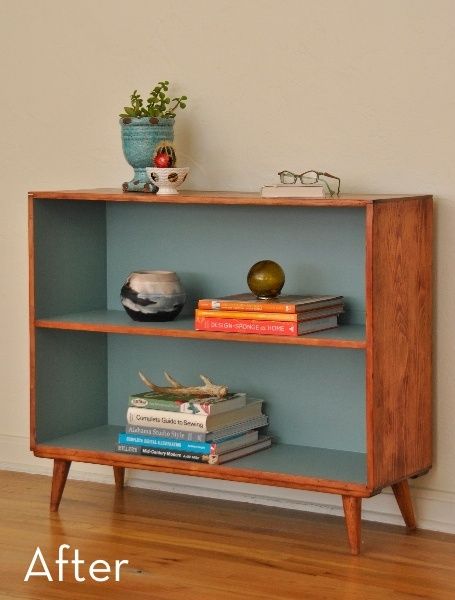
144	127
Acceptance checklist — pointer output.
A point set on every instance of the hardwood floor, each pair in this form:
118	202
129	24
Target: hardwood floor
185	548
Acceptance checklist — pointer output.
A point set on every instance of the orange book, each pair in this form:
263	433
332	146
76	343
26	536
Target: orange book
258	327
288	304
271	316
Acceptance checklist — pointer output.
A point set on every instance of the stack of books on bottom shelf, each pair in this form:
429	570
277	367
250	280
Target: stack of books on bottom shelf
205	430
285	315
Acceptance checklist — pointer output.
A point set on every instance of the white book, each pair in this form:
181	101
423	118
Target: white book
202	423
291	190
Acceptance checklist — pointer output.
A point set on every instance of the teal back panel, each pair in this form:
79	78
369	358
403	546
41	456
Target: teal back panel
71	382
322	250
70	256
314	396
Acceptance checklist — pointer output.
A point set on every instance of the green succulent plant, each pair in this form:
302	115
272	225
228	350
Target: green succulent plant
158	104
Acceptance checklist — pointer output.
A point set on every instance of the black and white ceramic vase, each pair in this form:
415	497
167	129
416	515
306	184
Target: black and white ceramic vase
152	295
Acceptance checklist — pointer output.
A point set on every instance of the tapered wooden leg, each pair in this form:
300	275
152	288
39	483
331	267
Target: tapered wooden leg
352	511
60	474
404	500
119	476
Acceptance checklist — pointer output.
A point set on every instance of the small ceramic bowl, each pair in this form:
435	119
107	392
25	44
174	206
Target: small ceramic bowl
168	180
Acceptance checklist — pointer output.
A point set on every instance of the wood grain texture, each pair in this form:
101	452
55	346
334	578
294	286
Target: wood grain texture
352	514
369	355
213	197
399	400
59	477
224	472
397	345
306	340
188	548
403	497
119	477
31	324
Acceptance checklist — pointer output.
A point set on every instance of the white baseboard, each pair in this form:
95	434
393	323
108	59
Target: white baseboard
435	510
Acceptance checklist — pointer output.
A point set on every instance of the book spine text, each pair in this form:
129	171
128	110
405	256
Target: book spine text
167	444
246	306
178	434
265	316
246	326
173	454
166	419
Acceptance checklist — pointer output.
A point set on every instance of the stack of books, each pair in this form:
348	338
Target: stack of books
285	315
206	430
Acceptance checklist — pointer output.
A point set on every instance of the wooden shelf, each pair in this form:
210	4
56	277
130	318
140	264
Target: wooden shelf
334	467
216	197
117	321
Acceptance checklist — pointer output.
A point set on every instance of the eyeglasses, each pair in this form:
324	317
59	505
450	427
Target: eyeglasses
309	177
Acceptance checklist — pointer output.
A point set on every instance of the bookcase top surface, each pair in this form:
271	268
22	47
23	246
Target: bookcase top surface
217	197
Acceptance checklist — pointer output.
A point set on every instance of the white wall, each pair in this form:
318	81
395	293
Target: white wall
361	88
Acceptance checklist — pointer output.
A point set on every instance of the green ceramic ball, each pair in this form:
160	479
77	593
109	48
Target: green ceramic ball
266	279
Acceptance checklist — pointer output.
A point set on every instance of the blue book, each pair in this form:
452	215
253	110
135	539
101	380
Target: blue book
231	443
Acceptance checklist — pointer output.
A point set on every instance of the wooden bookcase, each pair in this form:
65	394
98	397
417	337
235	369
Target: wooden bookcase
350	408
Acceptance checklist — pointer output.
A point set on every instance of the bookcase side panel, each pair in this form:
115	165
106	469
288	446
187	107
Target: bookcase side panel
70	256
71	382
400	409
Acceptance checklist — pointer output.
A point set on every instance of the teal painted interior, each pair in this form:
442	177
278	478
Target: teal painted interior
313	396
119	318
212	247
70	256
280	458
71	382
308	461
85	251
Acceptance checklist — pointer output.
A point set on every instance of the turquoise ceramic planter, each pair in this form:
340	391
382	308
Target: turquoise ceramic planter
140	137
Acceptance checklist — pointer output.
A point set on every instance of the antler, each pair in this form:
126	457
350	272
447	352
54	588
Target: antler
202	391
172	381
